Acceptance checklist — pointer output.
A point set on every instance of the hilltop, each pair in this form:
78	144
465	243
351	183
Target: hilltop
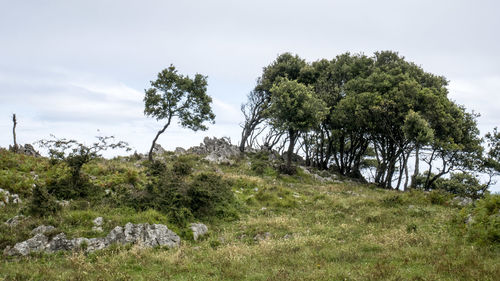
262	225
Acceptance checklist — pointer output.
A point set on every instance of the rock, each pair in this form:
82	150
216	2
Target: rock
218	151
158	150
97	229
98	221
27	149
147	235
262	236
462	201
35	244
14	221
8	198
199	230
42	229
287	236
179	151
63	203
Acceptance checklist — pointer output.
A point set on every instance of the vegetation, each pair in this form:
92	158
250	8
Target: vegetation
317	231
269	219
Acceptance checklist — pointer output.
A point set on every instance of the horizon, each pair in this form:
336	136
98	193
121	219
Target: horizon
71	69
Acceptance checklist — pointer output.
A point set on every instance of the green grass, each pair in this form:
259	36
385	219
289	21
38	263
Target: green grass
338	231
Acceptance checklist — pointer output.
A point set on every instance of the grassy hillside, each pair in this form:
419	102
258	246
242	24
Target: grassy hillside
279	228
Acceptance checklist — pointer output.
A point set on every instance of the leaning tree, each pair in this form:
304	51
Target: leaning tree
174	95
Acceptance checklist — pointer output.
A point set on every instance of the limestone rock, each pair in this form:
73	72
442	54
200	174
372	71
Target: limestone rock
147	235
14	221
42	229
35	244
218	151
199	230
462	201
8	198
262	236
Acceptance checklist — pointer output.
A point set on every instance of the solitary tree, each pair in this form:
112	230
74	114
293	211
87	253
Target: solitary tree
175	95
294	108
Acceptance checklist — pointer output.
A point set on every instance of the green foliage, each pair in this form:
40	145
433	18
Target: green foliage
183	165
42	204
392	200
485	223
75	155
173	95
462	184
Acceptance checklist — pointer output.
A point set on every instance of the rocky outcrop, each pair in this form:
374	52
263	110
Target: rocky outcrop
98	224
27	149
199	230
462	201
219	151
8	198
146	235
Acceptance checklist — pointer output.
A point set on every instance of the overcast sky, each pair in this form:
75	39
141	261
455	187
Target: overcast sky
70	68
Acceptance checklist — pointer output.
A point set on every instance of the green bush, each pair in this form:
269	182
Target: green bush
42	203
392	200
485	223
438	197
183	165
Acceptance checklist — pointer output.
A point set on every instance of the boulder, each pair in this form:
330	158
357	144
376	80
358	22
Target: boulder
36	244
199	230
218	151
462	201
42	229
8	198
146	235
98	224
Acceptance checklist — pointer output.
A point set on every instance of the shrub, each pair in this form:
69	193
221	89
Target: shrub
42	203
485	224
183	166
210	195
392	200
438	197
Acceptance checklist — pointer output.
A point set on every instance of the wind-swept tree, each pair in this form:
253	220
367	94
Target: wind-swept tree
295	109
174	95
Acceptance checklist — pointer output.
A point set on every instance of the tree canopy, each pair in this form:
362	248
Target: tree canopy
174	95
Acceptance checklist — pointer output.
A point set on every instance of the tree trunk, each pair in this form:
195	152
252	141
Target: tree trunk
416	171
14	120
292	134
150	154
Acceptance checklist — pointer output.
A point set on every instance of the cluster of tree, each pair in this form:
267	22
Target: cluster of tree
355	111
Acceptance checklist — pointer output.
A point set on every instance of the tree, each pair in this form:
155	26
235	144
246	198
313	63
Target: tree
14	121
75	154
294	108
285	65
173	95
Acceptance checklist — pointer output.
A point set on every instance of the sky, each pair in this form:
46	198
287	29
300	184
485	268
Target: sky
77	69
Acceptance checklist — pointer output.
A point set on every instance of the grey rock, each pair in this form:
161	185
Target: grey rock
35	244
179	151
42	229
98	221
218	151
27	149
199	230
97	229
14	221
8	198
462	201
146	235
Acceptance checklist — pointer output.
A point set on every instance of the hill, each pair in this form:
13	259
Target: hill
261	225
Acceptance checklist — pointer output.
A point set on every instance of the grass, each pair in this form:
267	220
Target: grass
318	231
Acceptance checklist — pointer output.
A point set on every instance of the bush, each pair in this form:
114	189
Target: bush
438	197
183	166
485	224
42	203
392	200
462	184
210	195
